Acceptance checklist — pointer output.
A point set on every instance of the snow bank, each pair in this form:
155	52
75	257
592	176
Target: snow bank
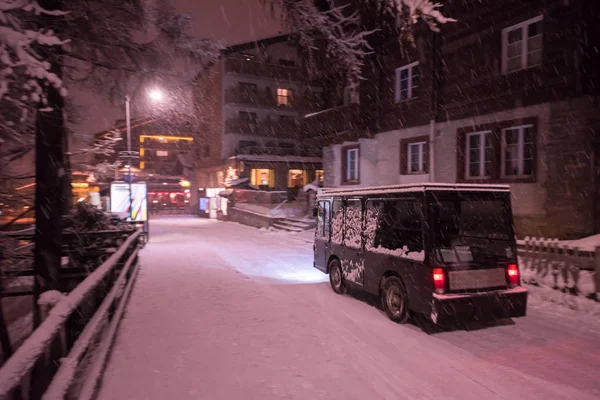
50	298
587	244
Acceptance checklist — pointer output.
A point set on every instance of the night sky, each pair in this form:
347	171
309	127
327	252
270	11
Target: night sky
232	21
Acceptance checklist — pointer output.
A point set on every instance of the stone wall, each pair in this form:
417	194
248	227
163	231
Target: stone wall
250	218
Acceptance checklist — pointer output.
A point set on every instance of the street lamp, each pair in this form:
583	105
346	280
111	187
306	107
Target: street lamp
156	96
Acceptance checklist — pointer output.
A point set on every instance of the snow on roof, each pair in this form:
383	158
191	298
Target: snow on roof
268	158
421	187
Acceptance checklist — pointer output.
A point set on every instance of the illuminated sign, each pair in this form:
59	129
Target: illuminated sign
119	200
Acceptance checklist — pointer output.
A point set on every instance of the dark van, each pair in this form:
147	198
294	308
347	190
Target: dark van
446	251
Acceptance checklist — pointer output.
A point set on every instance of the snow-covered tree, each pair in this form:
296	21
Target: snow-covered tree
338	27
24	72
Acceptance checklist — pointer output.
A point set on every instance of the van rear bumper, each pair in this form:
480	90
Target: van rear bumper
482	306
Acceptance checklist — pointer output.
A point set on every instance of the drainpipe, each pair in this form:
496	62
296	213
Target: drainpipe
434	94
432	150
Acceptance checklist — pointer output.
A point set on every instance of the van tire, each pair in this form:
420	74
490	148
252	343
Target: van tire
336	277
394	299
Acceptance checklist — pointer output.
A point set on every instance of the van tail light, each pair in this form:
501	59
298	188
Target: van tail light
512	274
439	280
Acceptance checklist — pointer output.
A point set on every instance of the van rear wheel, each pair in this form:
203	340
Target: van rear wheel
394	300
336	278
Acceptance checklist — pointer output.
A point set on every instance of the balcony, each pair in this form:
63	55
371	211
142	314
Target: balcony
256	98
333	120
262	128
262	69
300	151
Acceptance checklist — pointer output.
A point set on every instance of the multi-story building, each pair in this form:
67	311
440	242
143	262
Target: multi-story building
507	94
166	148
251	103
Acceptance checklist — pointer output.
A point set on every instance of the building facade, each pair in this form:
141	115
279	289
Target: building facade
251	103
166	147
507	94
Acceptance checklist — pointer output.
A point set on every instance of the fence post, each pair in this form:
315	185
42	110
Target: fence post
597	274
45	366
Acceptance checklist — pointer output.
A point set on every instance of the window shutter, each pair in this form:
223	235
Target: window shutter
403	157
344	164
531	136
426	157
461	143
494	154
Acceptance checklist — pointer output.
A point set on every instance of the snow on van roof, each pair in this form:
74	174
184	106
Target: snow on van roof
421	187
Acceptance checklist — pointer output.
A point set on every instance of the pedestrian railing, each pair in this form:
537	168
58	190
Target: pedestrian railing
65	356
560	264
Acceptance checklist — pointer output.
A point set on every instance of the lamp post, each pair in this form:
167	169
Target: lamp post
128	122
156	96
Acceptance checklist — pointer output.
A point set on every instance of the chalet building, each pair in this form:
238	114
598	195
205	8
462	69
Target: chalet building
508	94
251	102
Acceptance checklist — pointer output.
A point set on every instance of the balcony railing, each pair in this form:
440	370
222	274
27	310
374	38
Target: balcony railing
262	69
262	128
333	120
301	151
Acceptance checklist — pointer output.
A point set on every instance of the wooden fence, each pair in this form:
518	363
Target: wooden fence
65	356
561	264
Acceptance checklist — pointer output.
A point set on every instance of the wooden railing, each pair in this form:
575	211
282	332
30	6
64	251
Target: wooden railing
73	341
263	69
560	265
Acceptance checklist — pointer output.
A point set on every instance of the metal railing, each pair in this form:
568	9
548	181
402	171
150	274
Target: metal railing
78	329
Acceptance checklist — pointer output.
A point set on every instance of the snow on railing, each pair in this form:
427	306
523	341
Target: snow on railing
23	360
561	265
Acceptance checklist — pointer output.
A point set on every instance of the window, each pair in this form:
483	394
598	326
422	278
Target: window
162	153
479	161
351	95
337	222
416	157
287	120
284	97
522	45
517	151
353	224
248	87
350	164
248	117
262	177
502	151
407	82
323	220
296	178
319	176
395	227
287	63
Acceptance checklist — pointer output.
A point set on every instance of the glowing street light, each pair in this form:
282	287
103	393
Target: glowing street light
156	95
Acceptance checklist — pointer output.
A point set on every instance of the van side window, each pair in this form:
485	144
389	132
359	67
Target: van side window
337	222
323	220
353	224
394	227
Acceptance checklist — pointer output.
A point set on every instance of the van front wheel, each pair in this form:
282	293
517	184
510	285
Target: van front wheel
394	300
336	278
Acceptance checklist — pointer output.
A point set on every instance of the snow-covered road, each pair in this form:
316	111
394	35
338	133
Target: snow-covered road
225	311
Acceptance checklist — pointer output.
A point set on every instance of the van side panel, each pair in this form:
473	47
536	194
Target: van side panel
415	275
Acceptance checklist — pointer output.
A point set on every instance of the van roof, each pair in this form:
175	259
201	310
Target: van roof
421	187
